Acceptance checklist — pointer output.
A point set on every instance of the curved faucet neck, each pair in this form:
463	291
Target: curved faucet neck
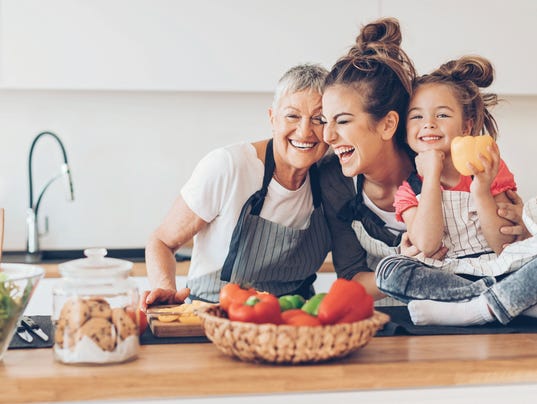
30	155
32	245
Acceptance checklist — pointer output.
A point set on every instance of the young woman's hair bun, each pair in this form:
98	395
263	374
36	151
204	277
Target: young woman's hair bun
385	32
382	37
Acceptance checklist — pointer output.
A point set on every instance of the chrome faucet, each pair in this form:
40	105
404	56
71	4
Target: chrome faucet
32	230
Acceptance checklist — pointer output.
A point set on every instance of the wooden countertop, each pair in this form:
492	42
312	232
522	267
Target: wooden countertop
139	269
186	370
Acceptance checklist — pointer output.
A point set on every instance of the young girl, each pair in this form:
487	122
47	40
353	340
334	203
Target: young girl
453	210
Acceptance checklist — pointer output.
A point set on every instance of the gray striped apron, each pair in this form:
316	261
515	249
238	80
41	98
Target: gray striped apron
269	256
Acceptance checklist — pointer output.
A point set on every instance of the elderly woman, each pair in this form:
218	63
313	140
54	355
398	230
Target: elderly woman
253	209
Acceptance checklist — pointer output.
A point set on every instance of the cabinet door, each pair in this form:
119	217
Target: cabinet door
502	31
201	45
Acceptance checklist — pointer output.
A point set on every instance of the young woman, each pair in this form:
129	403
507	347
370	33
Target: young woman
365	102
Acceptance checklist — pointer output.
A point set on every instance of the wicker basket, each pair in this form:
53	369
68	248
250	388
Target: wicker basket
285	343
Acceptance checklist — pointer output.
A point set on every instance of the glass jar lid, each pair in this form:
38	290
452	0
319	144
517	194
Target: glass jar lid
95	265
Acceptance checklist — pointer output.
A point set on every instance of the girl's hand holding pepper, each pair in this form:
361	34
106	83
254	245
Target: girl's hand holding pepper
483	178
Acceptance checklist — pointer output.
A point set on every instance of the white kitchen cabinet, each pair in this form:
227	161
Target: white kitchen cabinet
503	31
185	45
244	45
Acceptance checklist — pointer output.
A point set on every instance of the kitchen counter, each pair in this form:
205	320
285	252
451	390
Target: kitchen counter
139	269
420	364
193	370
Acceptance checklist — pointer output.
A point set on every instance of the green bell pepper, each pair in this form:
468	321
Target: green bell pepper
312	305
289	302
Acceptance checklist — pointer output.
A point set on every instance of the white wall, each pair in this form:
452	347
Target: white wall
130	151
184	45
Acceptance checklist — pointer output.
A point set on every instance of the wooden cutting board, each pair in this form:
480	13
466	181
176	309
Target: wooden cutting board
164	329
175	329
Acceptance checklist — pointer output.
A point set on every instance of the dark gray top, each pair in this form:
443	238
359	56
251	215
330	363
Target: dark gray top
343	204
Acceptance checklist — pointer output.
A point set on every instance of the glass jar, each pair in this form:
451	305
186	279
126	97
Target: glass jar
94	311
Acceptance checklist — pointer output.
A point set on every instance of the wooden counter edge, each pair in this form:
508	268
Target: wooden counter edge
139	379
139	269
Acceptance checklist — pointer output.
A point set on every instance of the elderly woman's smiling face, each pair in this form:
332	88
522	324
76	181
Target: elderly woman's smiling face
298	129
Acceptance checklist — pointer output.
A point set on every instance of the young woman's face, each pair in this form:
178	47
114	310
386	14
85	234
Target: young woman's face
297	129
350	130
434	119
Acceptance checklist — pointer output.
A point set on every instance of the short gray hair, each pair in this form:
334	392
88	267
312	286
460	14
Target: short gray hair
299	78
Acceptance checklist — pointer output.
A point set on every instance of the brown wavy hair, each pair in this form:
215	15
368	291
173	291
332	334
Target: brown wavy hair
380	71
466	76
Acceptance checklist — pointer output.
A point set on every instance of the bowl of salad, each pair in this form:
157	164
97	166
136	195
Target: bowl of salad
17	284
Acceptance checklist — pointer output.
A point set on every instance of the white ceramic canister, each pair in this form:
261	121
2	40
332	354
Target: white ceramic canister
94	311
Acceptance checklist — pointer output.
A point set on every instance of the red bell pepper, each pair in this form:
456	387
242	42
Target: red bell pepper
260	309
299	317
234	293
346	302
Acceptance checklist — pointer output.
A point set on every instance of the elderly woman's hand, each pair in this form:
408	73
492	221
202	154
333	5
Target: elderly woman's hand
410	250
513	212
163	296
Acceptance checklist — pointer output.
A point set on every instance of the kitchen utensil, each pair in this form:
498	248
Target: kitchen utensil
172	328
163	329
32	326
285	343
23	332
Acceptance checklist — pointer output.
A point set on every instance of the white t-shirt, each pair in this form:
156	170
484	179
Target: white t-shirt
392	224
217	190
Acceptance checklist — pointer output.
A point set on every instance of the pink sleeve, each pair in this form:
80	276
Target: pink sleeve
404	199
504	181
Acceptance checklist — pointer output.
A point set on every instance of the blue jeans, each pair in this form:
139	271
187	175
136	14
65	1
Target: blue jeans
407	279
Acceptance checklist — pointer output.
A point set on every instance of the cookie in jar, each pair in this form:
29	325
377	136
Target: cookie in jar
93	308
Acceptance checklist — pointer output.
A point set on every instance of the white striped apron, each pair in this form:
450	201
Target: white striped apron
468	250
269	256
376	249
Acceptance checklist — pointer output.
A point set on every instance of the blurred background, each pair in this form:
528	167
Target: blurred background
140	90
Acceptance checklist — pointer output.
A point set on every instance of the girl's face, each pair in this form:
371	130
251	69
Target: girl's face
350	130
434	119
298	130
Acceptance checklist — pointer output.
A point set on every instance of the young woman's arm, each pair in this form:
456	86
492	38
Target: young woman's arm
512	211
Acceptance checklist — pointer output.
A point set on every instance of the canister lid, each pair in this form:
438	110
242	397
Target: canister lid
95	265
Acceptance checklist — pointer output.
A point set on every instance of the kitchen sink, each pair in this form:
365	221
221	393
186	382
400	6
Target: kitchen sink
58	256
